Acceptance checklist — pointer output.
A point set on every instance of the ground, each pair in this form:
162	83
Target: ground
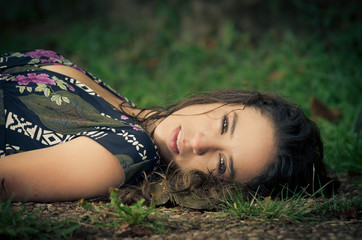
184	223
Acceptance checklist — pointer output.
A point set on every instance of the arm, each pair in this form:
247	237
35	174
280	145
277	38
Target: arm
80	168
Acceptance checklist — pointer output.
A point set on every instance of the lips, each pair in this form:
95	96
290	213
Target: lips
174	144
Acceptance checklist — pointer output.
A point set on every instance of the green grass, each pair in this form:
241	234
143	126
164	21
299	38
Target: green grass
292	207
19	225
116	214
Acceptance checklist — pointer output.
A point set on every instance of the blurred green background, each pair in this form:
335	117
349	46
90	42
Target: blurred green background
156	52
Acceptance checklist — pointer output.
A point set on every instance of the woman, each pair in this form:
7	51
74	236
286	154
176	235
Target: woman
66	135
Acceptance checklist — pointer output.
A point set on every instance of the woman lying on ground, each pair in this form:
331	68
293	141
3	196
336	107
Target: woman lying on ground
66	135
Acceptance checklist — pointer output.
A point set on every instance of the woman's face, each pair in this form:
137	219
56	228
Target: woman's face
230	140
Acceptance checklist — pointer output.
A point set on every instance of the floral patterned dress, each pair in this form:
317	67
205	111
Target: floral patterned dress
41	108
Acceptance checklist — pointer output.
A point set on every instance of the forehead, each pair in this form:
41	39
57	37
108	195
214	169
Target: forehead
253	145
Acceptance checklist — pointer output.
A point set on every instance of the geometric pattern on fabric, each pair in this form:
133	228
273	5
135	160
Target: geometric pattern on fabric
33	131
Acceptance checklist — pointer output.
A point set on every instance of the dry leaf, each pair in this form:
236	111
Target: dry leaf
141	231
350	213
190	200
275	76
210	43
319	109
152	62
124	226
160	193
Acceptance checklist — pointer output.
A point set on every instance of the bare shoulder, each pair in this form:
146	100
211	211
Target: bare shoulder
80	168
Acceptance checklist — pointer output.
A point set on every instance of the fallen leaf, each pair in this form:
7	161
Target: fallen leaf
319	109
141	231
152	62
210	43
275	76
350	213
190	200
124	226
159	192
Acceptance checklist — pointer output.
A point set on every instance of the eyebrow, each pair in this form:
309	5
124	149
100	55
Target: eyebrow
231	166
235	120
231	161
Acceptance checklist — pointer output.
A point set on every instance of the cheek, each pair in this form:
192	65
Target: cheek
202	163
249	168
206	163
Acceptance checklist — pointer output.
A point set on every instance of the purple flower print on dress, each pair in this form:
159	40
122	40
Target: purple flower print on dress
136	127
78	68
119	95
42	53
33	77
71	88
124	117
50	60
4	76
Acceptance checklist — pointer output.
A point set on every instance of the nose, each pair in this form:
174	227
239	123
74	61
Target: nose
201	144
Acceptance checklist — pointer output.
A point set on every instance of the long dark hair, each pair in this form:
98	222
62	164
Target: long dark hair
298	162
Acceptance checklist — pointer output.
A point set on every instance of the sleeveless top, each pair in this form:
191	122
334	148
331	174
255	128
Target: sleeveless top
40	108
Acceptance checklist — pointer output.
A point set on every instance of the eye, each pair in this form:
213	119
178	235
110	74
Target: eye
222	165
224	124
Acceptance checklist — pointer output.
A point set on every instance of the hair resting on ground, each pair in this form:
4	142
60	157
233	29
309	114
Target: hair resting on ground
298	162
